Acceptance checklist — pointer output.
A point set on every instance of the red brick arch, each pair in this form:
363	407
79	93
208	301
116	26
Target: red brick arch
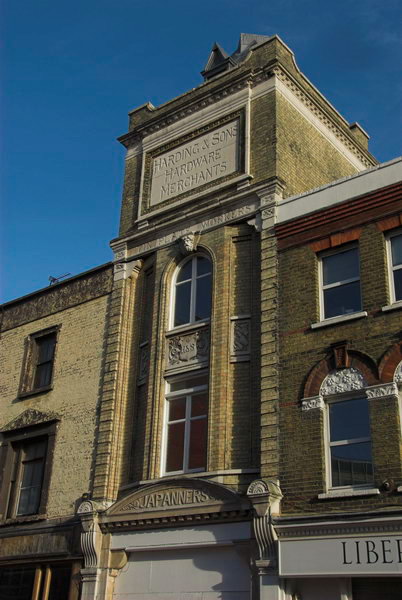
357	360
389	362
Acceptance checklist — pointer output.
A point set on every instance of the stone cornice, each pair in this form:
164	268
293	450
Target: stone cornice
207	98
337	528
198	518
252	79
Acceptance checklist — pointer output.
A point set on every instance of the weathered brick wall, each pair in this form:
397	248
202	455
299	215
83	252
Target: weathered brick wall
305	158
263	138
131	193
74	397
302	451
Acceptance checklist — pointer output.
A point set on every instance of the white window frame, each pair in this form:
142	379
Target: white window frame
328	444
391	267
193	280
188	393
322	257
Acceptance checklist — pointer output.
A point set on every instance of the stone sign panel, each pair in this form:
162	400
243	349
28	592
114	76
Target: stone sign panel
165	499
366	555
202	160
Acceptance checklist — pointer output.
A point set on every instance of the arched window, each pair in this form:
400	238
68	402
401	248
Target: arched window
192	291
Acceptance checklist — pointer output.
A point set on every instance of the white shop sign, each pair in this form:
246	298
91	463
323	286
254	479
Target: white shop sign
200	161
345	556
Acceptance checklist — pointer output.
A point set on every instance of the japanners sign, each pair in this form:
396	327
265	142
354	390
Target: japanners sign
202	160
346	556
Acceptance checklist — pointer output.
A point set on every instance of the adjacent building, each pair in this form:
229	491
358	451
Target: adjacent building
340	328
50	368
250	327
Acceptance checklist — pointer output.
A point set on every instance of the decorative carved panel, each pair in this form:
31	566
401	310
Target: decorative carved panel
344	380
382	391
188	349
144	363
240	338
312	402
398	373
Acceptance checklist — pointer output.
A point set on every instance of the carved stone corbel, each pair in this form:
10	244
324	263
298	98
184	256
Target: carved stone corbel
265	496
189	242
91	535
91	543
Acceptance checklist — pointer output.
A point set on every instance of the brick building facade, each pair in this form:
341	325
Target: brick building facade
340	377
51	364
213	343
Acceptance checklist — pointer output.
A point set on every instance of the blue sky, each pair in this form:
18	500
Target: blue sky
73	69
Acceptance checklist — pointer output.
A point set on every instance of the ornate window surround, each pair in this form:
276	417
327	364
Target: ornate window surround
187	348
345	384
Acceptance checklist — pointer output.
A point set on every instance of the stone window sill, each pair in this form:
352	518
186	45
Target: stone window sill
348	493
393	306
22	519
34	392
340	319
188	327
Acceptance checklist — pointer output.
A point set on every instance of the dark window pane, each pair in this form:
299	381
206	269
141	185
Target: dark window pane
396	248
349	420
342	300
29	501
198	444
199	405
16	583
177	409
43	375
203	298
191	382
341	266
45	346
182	304
185	271
175	447
203	266
34	449
59	583
398	284
351	464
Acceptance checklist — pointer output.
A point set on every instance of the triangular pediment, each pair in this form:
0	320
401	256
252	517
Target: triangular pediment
29	418
176	499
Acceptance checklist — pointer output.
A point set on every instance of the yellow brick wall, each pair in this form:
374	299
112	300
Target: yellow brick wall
74	397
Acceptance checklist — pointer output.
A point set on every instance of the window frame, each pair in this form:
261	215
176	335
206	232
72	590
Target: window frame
391	269
31	362
321	258
10	452
193	294
336	399
188	393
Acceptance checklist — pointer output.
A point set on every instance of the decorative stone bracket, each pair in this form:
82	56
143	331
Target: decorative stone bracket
91	535
265	495
188	243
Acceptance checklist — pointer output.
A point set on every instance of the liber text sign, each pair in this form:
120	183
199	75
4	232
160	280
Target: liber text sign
202	160
374	555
